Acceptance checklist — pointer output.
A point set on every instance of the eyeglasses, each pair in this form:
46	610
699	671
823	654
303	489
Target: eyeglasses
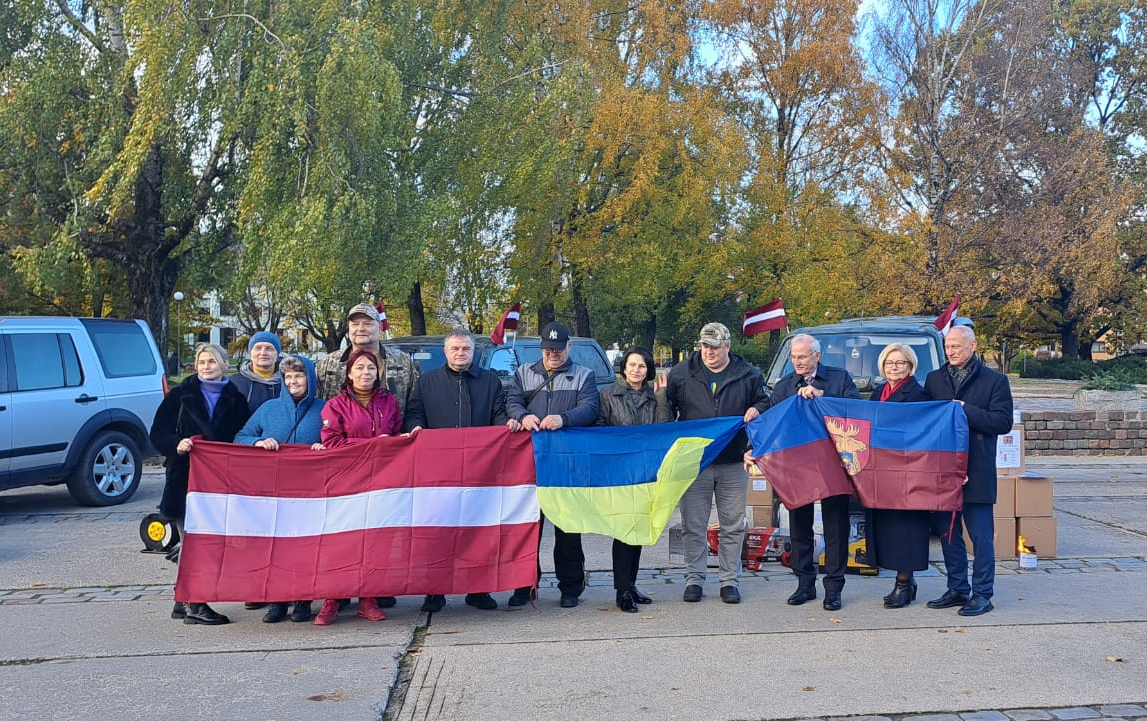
801	358
896	364
553	351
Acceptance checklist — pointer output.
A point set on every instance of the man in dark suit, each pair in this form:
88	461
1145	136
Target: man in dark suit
459	394
811	379
987	401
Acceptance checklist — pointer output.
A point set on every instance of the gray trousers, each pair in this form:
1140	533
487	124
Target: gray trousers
728	485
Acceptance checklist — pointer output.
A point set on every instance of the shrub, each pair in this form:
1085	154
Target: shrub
1113	379
1129	369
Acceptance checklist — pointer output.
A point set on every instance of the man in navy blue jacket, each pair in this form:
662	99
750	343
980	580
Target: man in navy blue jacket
555	393
986	398
460	394
812	379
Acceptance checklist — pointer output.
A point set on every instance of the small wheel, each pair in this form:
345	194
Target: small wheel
109	471
158	533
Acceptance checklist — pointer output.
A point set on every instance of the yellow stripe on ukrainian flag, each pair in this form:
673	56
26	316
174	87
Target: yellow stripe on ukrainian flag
624	482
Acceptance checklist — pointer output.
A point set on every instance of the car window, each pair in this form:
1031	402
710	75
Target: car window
586	354
45	360
122	348
427	357
858	353
503	362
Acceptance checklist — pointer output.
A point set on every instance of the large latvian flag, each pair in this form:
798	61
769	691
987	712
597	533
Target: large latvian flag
448	511
624	481
904	456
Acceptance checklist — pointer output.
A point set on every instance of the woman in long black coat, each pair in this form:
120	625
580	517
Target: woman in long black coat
899	539
206	404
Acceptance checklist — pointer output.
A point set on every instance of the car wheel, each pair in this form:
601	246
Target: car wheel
109	471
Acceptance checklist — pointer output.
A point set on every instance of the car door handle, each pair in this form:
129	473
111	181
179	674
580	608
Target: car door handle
85	398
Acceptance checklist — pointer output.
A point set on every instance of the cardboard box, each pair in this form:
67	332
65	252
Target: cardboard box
1010	455
1034	496
759	516
1005	538
760	493
1005	497
1040	533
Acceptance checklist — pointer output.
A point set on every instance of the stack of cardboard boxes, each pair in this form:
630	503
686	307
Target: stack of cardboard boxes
1024	501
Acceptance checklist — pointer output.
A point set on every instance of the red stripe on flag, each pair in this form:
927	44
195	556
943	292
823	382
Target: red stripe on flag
376	562
912	480
482	456
770	316
944	322
806	473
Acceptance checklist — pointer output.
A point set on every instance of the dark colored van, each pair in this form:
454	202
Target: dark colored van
505	359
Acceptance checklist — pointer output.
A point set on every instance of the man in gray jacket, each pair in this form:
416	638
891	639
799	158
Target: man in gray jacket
555	393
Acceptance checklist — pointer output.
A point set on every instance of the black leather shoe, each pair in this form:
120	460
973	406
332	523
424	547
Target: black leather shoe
275	612
179	610
521	597
433	603
483	601
948	600
903	593
638	596
730	594
693	593
201	613
977	605
386	601
626	602
568	601
253	606
301	612
802	595
832	600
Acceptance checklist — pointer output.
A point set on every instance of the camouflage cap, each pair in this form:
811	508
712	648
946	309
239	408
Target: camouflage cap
714	334
363	309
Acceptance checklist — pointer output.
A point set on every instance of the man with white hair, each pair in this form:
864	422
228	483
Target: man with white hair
812	379
986	398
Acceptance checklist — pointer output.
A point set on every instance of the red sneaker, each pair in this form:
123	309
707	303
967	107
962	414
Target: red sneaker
328	613
368	609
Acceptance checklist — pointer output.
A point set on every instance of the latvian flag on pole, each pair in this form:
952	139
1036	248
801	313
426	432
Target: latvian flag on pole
445	512
948	317
383	325
509	321
770	316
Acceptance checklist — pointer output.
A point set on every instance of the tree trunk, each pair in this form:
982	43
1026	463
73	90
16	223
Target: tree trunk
417	310
545	315
1070	341
650	331
580	309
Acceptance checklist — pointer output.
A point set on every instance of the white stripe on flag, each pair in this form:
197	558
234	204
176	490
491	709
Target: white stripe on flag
765	316
265	516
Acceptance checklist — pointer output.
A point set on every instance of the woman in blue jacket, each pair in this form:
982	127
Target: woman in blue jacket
293	417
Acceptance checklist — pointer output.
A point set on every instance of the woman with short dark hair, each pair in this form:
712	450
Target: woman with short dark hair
631	401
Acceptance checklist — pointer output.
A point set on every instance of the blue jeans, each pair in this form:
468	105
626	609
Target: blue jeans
978	519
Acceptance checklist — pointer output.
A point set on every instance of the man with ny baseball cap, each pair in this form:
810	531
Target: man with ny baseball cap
712	383
547	395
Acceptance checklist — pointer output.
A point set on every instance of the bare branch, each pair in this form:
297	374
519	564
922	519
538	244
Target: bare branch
78	25
266	30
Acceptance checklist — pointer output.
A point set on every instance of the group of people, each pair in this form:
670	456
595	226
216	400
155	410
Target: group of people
371	390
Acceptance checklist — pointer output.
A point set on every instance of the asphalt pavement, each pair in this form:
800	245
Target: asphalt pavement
85	634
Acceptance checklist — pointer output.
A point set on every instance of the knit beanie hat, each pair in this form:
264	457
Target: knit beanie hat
265	336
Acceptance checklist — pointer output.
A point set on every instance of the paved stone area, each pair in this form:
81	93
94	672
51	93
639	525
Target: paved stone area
1110	712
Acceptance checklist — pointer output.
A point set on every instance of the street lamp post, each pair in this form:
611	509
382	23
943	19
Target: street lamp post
178	330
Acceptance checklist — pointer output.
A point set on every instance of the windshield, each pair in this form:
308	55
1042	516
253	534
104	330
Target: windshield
858	351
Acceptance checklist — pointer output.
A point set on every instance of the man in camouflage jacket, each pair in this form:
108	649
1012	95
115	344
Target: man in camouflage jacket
363	331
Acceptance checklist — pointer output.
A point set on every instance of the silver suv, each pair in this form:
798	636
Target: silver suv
77	396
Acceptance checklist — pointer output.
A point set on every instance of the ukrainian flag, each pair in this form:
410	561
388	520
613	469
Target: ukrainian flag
624	481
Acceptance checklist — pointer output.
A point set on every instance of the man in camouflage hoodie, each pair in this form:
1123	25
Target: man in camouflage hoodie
363	332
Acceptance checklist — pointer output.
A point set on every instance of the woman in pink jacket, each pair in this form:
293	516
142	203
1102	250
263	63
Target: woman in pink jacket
364	409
